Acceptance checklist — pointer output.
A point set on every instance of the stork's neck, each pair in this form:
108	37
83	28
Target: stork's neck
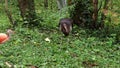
8	34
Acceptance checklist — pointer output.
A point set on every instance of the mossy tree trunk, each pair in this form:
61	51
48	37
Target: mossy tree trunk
46	4
85	14
82	13
9	14
69	2
95	13
61	4
28	14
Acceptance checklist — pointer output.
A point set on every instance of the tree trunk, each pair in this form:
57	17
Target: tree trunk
46	4
8	13
81	13
69	2
95	13
28	14
61	4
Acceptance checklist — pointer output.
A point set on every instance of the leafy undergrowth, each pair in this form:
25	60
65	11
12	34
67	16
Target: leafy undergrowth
46	47
29	47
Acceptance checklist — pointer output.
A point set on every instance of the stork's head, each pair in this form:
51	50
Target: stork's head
9	32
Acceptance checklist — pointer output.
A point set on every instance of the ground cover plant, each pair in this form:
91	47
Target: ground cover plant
46	47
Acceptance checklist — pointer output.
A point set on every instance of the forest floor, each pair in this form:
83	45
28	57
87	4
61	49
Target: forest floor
46	47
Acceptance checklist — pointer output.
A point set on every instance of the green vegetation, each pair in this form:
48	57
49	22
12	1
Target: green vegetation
84	48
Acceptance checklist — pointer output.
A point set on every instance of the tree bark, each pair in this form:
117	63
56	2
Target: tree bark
27	9
95	13
61	4
8	13
69	2
46	4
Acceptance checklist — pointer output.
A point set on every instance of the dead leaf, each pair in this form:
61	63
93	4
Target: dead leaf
9	65
47	40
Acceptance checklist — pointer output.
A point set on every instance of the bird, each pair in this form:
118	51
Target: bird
65	25
5	36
